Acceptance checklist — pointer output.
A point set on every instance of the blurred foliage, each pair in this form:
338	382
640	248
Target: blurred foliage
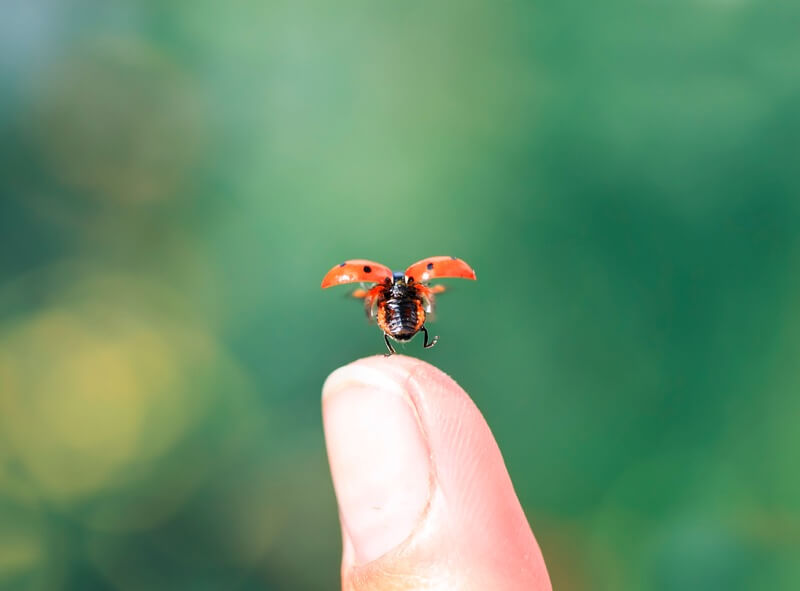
178	176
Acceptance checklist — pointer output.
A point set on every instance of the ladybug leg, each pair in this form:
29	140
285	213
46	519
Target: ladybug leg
389	346
426	344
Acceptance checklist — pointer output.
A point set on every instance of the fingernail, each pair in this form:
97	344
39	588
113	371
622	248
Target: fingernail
379	458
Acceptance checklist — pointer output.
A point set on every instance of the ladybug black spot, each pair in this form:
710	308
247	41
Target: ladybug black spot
367	269
430	266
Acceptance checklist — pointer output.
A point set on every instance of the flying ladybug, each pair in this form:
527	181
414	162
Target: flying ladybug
399	301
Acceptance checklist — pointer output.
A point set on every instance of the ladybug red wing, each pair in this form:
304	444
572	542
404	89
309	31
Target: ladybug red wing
357	270
435	267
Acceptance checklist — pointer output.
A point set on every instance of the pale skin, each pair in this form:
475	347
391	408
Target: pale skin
425	501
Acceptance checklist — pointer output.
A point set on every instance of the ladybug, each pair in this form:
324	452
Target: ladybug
399	301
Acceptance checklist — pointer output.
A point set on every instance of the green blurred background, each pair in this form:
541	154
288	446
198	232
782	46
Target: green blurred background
178	176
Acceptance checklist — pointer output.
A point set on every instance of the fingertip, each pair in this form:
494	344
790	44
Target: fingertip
378	371
393	372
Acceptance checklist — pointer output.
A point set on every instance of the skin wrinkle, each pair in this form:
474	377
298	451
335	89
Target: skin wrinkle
451	430
412	384
468	455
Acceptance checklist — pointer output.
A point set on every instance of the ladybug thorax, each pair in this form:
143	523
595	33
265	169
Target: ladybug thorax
400	288
400	310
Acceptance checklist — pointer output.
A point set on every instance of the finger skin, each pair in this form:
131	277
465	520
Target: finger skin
471	533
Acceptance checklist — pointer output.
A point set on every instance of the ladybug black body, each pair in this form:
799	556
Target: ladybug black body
399	302
401	310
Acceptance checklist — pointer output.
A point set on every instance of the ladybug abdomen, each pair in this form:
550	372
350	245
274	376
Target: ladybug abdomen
401	318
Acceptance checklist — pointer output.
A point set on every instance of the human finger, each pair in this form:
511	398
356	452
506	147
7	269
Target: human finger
424	497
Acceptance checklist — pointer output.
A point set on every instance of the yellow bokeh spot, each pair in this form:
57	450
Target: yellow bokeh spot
82	401
22	539
18	555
